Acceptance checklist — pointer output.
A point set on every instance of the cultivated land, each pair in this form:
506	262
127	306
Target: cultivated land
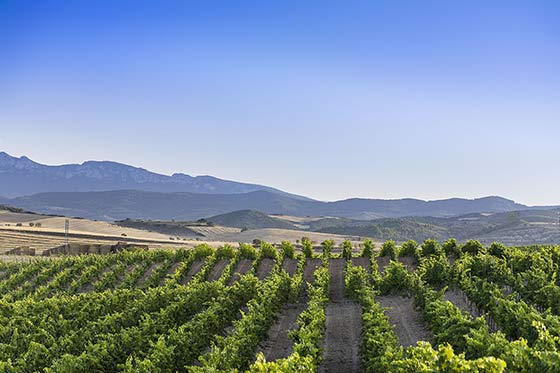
273	309
20	230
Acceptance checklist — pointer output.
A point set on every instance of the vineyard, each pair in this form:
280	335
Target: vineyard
411	308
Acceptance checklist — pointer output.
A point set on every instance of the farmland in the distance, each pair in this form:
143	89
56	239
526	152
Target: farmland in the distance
410	308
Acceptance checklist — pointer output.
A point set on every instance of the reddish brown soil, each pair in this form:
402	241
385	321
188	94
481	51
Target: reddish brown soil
147	274
265	267
218	269
242	267
343	326
382	262
311	266
362	262
278	345
290	266
195	267
407	321
409	263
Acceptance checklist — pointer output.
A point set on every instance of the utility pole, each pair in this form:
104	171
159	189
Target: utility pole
66	229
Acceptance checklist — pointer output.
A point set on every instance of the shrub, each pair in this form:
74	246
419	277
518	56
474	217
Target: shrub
287	250
430	247
327	248
389	248
451	247
497	249
268	251
409	249
473	247
368	247
247	251
306	247
225	251
346	250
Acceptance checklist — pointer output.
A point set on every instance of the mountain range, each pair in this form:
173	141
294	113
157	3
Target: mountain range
114	191
22	176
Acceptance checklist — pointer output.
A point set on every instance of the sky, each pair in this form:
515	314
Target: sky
328	99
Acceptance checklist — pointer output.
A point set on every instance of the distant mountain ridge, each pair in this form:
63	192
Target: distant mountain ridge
135	204
22	176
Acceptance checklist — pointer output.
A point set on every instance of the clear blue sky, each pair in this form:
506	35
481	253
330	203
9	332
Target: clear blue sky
382	99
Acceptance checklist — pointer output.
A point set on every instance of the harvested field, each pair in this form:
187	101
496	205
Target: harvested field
343	326
278	345
290	266
242	267
195	267
218	269
362	262
265	267
382	262
311	265
406	320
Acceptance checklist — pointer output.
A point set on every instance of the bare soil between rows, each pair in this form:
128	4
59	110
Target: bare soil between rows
342	338
149	271
265	266
242	267
290	266
311	265
217	270
195	267
343	326
170	272
362	262
406	320
278	344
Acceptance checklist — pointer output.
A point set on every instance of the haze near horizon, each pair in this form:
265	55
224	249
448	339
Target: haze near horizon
426	100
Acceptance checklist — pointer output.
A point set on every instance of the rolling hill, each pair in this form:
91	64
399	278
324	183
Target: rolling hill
249	219
135	204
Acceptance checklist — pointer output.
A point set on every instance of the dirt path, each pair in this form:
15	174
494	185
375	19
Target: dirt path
382	262
311	265
265	267
343	326
217	270
242	267
147	274
362	262
406	321
290	266
195	267
278	345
